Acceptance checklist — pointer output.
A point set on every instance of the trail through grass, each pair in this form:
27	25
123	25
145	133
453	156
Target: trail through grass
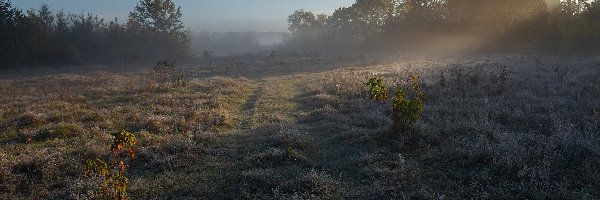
274	152
312	135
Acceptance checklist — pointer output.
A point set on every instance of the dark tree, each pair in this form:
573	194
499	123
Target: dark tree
308	30
160	20
9	38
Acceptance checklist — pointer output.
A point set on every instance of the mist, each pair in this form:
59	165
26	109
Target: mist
436	26
454	26
299	99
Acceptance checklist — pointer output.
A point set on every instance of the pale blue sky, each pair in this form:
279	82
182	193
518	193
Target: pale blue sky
212	15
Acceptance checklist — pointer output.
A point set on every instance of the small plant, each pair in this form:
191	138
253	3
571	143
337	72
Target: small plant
499	80
457	74
561	73
416	86
442	80
474	75
114	183
538	61
503	77
169	73
376	89
407	112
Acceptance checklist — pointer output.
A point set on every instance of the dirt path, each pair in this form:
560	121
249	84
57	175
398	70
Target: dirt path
281	143
241	162
271	102
249	108
277	147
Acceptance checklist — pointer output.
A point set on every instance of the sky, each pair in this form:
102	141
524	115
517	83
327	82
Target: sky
203	15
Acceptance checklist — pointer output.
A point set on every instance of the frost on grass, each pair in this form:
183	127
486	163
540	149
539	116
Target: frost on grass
492	127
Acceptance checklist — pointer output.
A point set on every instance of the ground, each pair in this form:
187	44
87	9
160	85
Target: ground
303	128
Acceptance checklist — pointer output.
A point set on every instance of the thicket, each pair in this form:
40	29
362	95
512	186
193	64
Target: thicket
44	37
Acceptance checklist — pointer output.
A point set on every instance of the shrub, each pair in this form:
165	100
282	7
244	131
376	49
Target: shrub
376	89
169	73
114	183
407	112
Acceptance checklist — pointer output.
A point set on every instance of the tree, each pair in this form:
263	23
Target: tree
421	13
162	19
343	25
592	15
308	30
158	15
87	35
301	21
9	17
373	14
363	19
36	29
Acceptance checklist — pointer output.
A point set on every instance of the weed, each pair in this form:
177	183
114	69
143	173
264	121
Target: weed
499	81
474	75
457	74
504	73
561	73
416	86
114	184
442	80
376	89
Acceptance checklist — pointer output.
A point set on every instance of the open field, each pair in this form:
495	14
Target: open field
303	128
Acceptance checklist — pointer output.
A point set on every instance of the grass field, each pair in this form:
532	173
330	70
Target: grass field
494	127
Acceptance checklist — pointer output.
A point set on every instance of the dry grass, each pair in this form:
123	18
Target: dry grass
528	130
49	125
530	136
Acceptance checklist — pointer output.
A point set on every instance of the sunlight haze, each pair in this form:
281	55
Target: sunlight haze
299	99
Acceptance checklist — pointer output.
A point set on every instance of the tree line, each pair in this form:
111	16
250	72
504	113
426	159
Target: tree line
44	37
550	26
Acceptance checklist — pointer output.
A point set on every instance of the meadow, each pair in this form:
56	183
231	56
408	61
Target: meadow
303	127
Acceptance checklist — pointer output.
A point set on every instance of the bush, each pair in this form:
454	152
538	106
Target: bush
169	73
406	112
377	89
114	183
